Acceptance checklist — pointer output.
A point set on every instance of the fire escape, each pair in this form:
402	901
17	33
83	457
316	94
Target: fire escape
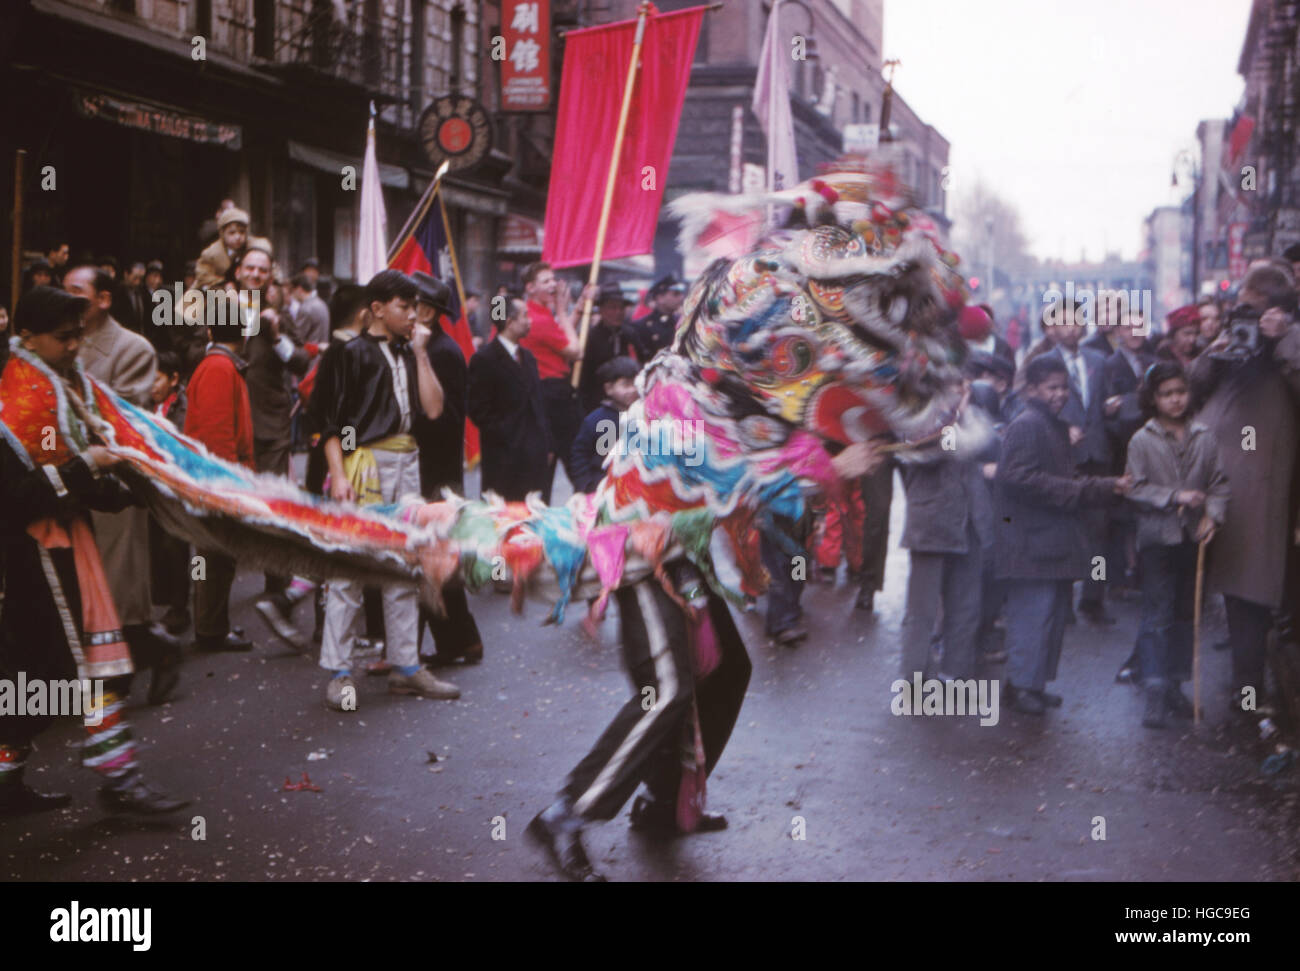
343	49
1278	120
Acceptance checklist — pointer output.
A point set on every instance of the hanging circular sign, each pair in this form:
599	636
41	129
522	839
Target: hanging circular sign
456	130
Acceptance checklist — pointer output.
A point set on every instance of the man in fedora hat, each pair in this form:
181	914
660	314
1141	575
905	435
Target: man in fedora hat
607	339
653	332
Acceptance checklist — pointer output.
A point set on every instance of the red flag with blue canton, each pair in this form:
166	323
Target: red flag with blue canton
425	248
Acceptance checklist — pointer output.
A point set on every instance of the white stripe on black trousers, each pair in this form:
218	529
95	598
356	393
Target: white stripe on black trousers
643	743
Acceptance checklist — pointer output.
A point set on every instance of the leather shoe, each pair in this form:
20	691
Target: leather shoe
166	676
653	816
136	798
790	636
563	841
231	642
472	655
866	601
175	622
1026	701
19	799
1051	700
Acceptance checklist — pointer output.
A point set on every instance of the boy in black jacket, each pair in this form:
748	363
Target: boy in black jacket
1039	541
587	459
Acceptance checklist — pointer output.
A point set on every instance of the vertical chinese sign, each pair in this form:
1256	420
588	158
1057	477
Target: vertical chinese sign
1236	251
526	67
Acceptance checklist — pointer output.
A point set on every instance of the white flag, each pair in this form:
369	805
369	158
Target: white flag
372	230
772	106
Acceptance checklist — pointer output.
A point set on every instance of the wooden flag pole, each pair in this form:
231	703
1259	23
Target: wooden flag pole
451	250
1196	633
642	12
16	270
414	219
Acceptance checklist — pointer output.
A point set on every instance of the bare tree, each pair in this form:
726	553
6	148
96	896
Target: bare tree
981	213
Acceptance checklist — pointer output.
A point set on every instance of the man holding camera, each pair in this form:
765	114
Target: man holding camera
1249	382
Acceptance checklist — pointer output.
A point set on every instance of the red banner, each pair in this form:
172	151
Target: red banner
591	92
526	60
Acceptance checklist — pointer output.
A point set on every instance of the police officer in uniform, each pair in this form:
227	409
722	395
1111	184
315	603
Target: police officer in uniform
653	332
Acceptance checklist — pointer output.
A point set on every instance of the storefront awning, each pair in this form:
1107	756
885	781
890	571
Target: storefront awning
393	176
521	236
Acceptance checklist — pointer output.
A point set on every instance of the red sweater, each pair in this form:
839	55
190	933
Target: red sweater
219	414
547	341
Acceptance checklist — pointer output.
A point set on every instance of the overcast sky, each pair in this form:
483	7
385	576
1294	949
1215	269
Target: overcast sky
1073	112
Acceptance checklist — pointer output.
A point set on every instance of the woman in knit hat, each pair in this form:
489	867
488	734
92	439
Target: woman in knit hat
1181	329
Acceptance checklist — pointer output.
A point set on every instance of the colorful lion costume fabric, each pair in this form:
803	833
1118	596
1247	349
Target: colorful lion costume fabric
832	330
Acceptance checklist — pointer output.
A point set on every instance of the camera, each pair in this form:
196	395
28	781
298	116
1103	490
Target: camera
1243	334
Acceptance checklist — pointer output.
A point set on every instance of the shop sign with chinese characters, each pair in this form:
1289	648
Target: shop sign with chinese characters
526	66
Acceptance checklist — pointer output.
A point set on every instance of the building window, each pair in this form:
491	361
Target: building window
264	29
371	55
122	6
857	108
457	48
419	31
203	17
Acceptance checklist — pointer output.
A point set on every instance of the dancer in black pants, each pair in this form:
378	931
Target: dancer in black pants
647	738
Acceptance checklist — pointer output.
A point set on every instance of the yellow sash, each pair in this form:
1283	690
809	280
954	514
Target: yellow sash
362	471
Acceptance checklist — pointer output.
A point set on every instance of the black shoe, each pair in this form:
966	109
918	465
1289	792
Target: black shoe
653	816
168	644
135	798
1026	701
1178	704
176	622
866	601
1153	716
472	655
231	642
166	676
790	636
1051	700
20	799
1095	613
564	844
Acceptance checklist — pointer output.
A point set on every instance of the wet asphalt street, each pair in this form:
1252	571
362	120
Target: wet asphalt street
817	752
